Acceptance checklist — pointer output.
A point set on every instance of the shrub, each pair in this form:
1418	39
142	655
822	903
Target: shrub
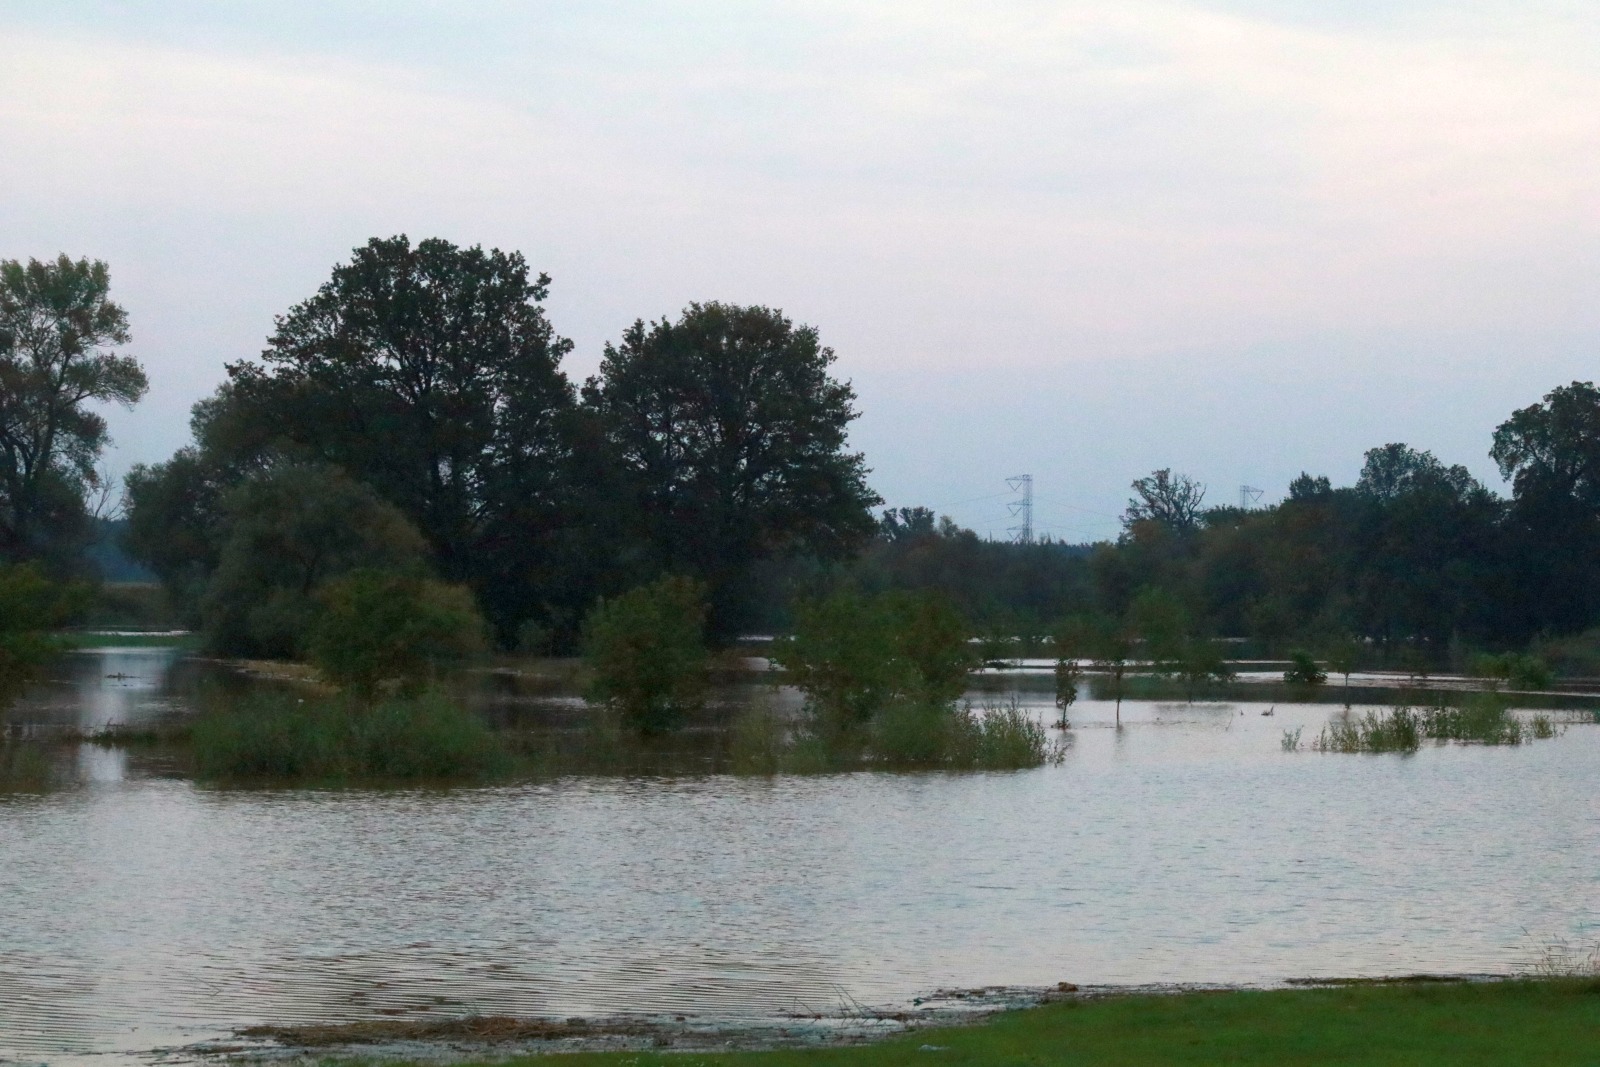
279	737
382	627
647	654
995	737
854	657
289	532
1008	738
1522	671
1396	730
1484	718
1304	669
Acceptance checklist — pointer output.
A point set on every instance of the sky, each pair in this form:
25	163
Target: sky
1077	240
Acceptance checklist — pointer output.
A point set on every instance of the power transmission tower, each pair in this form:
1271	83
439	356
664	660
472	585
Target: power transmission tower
1022	483
1249	495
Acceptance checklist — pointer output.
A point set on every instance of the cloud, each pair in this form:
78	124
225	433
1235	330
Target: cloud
941	186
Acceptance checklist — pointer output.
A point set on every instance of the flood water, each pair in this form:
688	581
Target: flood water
140	911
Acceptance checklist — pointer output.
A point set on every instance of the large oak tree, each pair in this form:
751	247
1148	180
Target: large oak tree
730	436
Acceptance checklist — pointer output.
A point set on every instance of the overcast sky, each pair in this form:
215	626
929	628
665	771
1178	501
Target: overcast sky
1077	240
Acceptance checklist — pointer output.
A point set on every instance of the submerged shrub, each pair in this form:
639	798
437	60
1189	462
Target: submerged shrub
911	733
647	653
856	657
760	741
1008	738
278	736
1304	670
378	627
1518	669
1484	718
1396	730
1478	718
994	737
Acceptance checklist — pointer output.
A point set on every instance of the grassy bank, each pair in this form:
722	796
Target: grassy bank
1549	1022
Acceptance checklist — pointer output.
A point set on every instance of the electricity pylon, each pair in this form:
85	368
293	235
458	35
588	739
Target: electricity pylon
1022	483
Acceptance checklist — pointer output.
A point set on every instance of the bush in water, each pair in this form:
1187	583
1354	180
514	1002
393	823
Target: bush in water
380	627
647	653
1304	669
857	657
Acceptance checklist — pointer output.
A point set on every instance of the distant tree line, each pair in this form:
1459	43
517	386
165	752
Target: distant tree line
410	423
1416	558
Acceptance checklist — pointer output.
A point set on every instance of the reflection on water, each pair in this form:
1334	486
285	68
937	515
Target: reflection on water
102	687
1186	847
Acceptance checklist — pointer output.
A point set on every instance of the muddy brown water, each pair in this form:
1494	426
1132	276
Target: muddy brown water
140	911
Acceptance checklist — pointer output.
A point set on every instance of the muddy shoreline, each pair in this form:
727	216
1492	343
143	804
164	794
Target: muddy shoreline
490	1038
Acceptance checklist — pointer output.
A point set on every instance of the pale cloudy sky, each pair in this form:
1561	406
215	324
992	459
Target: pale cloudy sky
1078	240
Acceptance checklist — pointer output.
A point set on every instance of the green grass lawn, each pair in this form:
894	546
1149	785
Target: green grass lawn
1550	1022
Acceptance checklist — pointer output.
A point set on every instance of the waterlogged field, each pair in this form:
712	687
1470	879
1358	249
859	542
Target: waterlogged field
143	911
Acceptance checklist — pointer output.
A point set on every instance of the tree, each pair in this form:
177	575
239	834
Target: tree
1170	500
1551	454
288	533
58	325
1426	549
1304	670
731	434
647	653
1107	642
377	626
431	374
1344	656
907	524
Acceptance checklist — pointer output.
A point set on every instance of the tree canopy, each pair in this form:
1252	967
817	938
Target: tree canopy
58	329
730	436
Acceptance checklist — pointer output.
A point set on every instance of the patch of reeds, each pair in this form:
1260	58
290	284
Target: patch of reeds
1396	730
1482	718
1474	718
279	737
906	735
1562	959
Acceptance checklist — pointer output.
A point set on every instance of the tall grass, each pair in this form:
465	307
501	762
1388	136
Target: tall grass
1396	730
906	735
277	737
1477	718
992	737
1483	718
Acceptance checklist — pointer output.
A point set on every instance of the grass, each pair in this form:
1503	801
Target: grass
1477	718
1396	730
1550	1023
907	735
76	639
278	737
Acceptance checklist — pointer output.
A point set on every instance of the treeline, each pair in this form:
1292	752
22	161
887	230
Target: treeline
1416	560
411	419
